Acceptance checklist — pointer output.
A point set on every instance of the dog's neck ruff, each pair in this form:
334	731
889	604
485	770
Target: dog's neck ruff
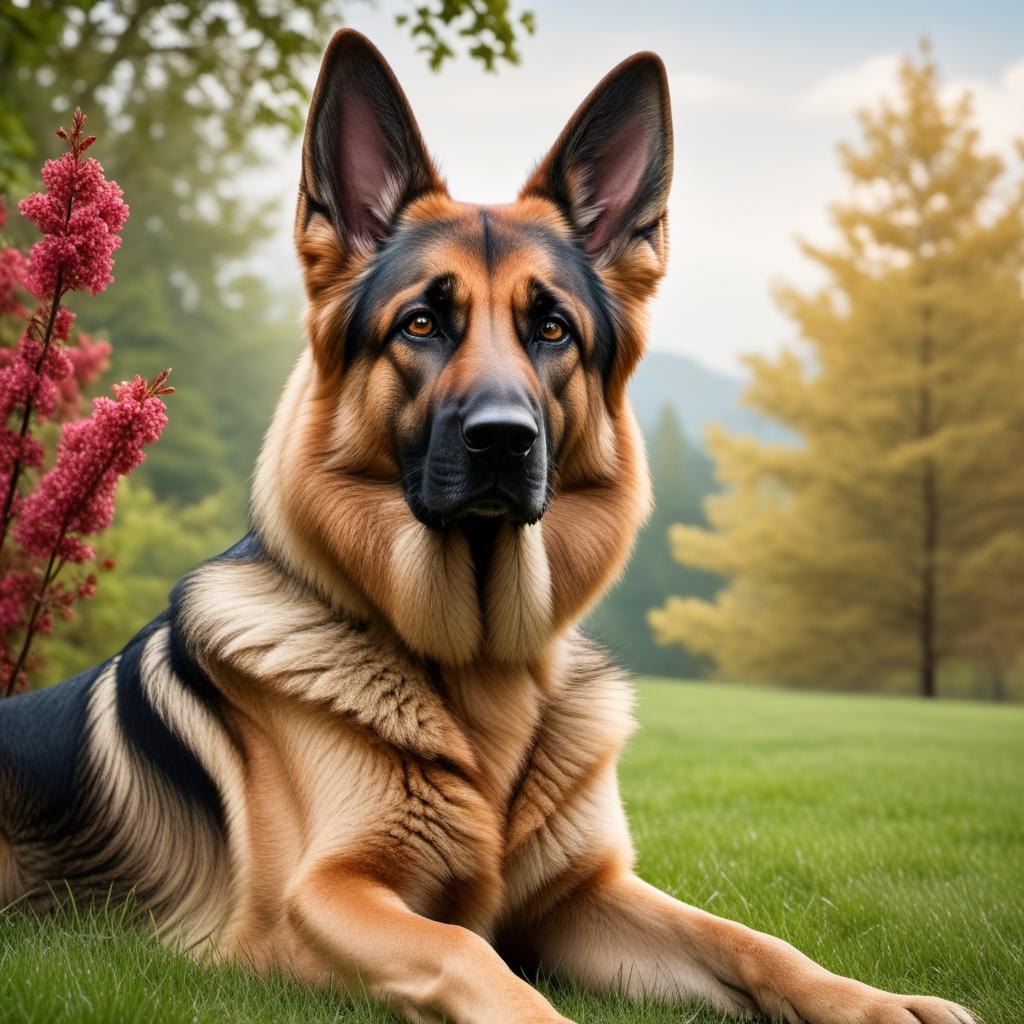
242	613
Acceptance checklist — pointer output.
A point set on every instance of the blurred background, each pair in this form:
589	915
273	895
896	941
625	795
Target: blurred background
834	396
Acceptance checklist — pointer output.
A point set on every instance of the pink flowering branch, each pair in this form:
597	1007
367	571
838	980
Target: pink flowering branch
26	416
79	215
76	497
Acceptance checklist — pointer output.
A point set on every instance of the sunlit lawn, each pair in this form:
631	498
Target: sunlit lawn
883	836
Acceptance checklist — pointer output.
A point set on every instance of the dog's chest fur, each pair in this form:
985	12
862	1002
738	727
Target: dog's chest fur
455	785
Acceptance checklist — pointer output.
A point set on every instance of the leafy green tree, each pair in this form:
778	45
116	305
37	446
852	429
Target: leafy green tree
215	71
682	478
888	547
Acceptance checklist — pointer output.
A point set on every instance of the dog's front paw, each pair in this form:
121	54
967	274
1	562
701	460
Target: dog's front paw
893	1009
820	997
844	1001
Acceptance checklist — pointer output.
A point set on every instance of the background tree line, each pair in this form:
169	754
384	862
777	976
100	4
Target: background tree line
866	532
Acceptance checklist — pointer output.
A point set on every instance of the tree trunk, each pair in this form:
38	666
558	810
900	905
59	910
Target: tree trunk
998	679
927	675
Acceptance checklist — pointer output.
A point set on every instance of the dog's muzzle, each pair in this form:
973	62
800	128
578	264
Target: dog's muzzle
486	456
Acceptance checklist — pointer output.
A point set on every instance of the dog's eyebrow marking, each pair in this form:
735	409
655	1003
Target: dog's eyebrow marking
439	292
540	296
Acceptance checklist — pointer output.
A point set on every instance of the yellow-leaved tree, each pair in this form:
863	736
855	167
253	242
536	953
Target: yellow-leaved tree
884	548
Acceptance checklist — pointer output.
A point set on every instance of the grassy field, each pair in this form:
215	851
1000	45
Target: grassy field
885	837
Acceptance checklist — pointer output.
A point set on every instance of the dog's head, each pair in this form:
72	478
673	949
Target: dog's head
473	359
485	340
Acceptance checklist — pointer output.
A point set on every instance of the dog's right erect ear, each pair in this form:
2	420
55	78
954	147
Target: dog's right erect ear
363	158
611	168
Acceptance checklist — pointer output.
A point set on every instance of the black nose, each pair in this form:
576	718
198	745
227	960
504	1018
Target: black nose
496	430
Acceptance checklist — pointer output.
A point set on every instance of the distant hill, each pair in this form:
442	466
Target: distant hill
699	396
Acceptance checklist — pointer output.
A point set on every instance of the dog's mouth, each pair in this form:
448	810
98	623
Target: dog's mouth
491	505
495	503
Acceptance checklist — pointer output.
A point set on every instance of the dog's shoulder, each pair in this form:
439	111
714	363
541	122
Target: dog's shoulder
245	613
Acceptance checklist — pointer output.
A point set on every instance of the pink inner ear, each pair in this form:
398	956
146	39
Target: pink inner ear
616	178
364	165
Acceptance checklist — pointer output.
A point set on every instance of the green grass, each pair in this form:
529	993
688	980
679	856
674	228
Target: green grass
883	836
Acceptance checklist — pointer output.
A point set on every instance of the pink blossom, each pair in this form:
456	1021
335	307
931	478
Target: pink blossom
61	598
79	216
14	448
19	589
62	324
21	381
17	592
54	388
77	495
69	180
88	360
13	269
82	258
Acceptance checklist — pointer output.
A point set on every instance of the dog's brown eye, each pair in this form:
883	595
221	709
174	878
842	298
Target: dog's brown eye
552	330
420	326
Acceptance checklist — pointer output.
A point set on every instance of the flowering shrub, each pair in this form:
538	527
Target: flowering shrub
45	515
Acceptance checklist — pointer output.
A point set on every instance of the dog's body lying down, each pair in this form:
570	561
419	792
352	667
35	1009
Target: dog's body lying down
368	744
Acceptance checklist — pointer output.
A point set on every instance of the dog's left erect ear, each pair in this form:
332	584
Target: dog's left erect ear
363	158
611	168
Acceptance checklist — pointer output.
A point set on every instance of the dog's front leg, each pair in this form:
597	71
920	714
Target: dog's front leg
618	932
363	934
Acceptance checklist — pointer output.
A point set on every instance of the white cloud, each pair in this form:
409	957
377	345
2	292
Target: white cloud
998	103
842	92
998	106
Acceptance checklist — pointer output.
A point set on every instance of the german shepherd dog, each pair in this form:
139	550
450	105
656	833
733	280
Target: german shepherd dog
368	744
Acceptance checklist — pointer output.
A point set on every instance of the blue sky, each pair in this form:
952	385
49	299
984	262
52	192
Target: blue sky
762	93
